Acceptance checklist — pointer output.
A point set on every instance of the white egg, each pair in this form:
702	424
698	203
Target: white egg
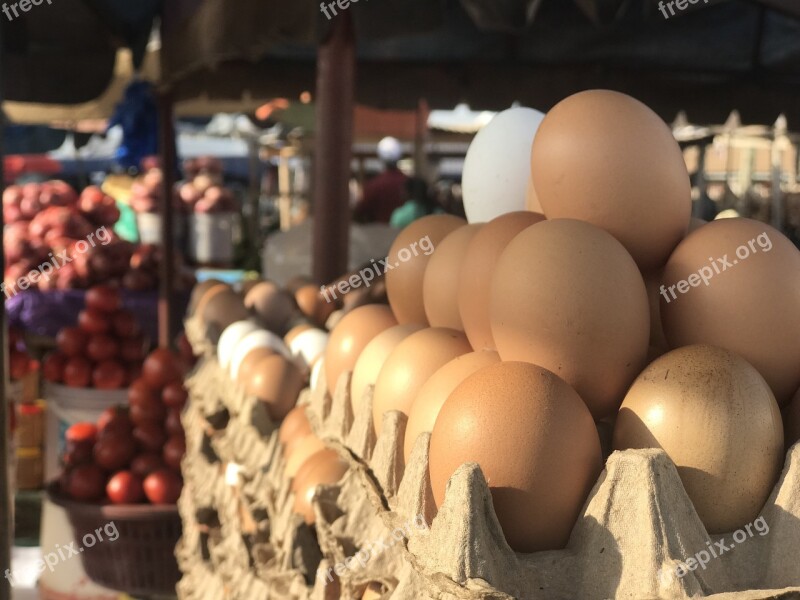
256	339
232	335
497	169
308	346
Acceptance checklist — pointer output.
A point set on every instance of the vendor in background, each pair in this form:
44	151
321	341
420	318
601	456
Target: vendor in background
420	203
385	192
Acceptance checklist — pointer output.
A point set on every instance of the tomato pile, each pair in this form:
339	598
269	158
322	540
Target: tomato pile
105	350
132	454
20	364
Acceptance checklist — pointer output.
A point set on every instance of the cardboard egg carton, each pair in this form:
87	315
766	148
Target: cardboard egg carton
637	528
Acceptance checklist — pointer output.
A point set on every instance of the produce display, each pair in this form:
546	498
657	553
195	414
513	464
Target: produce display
20	362
67	241
103	351
485	399
133	453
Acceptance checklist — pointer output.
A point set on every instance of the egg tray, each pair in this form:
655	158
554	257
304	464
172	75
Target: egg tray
240	534
636	528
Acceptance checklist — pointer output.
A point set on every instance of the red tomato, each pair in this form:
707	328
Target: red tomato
93	321
77	454
163	487
149	411
133	371
132	349
174	395
81	433
124	324
103	298
114	452
86	483
18	363
53	367
115	420
174	450
150	436
162	367
71	341
102	347
125	488
108	375
147	463
139	391
78	372
173	423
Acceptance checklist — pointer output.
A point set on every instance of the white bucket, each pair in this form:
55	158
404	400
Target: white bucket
67	580
67	406
149	225
211	238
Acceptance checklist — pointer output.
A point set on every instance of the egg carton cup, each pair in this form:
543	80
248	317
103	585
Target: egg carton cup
636	528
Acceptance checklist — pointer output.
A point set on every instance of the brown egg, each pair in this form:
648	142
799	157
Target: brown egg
410	365
276	382
199	291
437	389
296	282
408	258
313	305
652	282
374	591
477	269
249	362
310	463
295	425
300	451
606	158
440	283
295	331
351	335
695	223
249	285
272	306
532	200
371	359
221	309
734	284
717	419
327	468
567	296
209	292
535	442
791	422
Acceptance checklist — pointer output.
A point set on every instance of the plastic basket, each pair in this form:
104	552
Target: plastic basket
141	561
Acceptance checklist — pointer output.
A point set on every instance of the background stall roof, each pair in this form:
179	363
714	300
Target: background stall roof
738	54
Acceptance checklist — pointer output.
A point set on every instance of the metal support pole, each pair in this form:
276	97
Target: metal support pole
6	493
336	72
167	319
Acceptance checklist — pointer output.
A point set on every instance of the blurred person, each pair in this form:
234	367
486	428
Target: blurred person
420	203
385	192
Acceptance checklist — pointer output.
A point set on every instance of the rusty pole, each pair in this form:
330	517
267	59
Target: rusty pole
336	72
167	319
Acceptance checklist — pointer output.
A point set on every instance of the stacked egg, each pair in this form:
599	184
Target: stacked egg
270	341
514	338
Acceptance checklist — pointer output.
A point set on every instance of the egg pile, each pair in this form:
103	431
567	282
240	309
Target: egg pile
524	333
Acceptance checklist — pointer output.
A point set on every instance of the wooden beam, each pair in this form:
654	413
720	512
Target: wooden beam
167	317
336	74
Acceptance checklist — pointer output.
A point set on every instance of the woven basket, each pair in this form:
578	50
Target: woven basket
141	561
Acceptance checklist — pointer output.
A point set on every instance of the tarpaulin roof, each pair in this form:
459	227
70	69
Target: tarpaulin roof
735	54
